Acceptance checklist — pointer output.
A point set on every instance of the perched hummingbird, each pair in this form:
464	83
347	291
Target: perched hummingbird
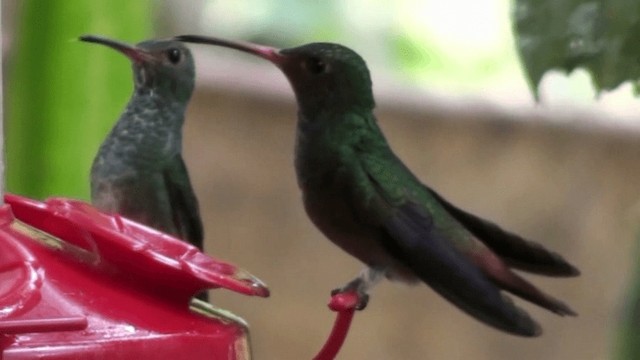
365	200
138	171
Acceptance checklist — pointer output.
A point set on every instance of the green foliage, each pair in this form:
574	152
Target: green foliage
63	95
412	56
628	340
601	36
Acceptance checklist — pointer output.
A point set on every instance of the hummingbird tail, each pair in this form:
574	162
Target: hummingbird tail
507	280
513	249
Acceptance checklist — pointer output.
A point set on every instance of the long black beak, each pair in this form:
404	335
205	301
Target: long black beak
265	52
134	53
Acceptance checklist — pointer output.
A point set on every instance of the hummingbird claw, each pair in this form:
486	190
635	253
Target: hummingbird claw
361	285
363	301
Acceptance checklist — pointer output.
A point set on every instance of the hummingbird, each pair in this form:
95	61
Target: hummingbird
362	197
139	172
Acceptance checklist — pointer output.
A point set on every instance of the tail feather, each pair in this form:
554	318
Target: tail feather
507	280
412	238
516	251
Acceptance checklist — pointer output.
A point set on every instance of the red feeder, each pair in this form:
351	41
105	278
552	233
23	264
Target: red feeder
78	284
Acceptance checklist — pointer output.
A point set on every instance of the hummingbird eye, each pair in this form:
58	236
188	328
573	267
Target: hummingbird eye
315	65
174	55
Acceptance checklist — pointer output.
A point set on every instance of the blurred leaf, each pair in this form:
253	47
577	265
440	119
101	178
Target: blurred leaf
411	54
601	36
628	345
63	95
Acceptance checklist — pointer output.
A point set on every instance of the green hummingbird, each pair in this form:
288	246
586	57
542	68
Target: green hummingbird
365	200
139	172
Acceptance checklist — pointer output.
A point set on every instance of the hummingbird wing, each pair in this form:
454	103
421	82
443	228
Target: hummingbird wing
183	201
516	251
439	265
425	237
411	236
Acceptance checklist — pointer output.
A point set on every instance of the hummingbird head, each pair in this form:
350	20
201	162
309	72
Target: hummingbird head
165	67
325	77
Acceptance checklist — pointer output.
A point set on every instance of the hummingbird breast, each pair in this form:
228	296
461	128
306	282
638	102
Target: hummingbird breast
127	172
331	213
321	165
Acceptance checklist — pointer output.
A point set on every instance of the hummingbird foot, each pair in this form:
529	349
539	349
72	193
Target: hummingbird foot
361	285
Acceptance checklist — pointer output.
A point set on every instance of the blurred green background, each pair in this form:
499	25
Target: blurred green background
453	99
62	95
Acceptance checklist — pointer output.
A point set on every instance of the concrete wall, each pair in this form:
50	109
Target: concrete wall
576	191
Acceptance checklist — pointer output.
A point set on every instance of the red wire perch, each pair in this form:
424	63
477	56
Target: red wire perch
345	305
